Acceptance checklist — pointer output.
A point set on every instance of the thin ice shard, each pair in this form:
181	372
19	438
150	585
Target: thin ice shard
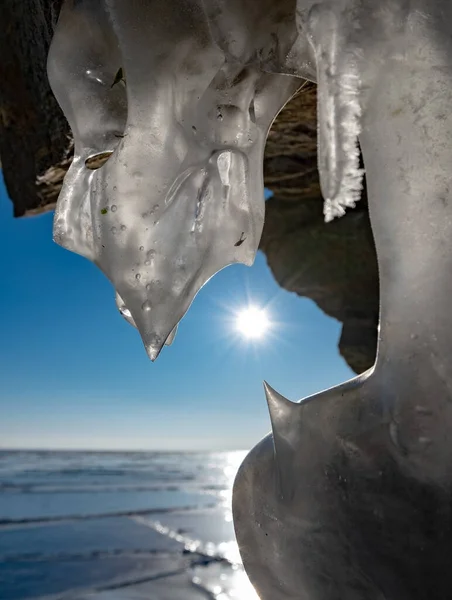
283	416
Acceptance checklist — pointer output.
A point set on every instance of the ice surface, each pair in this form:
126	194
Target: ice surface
170	102
329	26
350	496
177	123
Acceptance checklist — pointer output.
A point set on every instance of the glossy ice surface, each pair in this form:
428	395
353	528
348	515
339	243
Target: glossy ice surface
170	103
350	498
181	195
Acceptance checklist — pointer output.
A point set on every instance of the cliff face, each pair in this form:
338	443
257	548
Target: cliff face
334	264
35	144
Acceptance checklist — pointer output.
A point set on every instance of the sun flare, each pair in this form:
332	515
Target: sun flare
252	322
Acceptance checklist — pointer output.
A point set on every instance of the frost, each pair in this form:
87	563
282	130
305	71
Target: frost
328	28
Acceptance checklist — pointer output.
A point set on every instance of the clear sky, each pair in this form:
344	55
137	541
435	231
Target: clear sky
73	373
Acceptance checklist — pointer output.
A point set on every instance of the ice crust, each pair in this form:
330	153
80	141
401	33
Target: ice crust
170	103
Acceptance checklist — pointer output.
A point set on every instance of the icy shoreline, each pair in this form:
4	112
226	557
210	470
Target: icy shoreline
170	549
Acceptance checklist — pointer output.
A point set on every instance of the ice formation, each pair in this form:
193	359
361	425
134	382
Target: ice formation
350	497
180	121
170	103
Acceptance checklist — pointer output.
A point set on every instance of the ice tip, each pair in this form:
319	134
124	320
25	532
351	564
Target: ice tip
277	403
153	351
282	421
267	388
271	395
334	209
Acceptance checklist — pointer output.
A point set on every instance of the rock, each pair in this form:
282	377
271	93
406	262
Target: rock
334	264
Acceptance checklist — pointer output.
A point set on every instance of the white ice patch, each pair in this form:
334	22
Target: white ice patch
328	28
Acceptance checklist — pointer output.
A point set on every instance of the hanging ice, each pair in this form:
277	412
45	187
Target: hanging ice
178	125
329	26
170	103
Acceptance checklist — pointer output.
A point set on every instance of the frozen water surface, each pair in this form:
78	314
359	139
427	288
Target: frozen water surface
163	555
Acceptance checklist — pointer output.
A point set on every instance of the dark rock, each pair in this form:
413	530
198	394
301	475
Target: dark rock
35	144
334	264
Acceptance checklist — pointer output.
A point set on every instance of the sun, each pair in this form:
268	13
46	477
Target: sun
252	322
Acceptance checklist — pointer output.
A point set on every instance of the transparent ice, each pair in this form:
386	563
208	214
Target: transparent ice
180	121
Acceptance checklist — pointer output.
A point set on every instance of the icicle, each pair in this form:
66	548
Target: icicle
339	109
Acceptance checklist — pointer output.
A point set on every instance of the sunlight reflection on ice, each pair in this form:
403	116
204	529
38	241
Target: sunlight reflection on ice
235	587
225	579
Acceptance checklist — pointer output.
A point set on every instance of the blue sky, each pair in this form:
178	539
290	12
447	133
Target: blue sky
73	373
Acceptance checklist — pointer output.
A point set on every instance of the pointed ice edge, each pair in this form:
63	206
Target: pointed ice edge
156	338
153	350
282	415
156	344
279	407
339	109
